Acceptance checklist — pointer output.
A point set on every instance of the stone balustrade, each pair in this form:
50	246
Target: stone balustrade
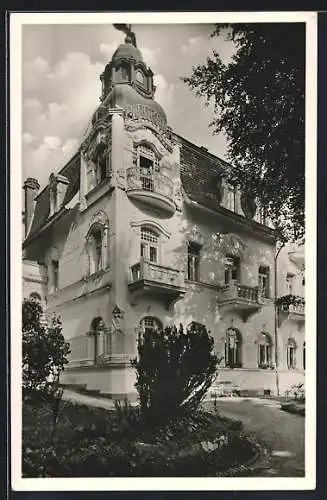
237	291
154	182
146	270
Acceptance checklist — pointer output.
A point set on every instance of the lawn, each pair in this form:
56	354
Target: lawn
93	442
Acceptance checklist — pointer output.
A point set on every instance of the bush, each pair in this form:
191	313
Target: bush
297	393
44	349
92	442
175	368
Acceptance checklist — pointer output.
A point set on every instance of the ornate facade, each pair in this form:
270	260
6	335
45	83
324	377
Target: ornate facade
140	230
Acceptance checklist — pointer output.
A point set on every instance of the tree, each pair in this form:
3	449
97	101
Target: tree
175	368
44	348
258	100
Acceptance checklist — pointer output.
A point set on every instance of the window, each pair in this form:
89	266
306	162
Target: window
150	324
193	262
35	297
97	324
232	269
125	72
263	280
147	162
233	348
55	275
264	350
139	77
97	236
291	352
290	284
97	248
53	198
101	171
231	197
149	245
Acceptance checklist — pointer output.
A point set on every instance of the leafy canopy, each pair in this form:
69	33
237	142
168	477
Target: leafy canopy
44	348
258	99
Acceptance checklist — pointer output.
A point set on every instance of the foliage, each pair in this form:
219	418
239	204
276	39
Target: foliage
289	300
92	442
297	392
44	349
259	104
175	368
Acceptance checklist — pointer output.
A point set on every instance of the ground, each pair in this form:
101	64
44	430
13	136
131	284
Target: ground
282	432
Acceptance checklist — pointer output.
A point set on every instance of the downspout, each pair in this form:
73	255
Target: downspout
276	318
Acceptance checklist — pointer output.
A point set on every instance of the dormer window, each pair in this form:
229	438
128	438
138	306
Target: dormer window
230	197
53	199
57	186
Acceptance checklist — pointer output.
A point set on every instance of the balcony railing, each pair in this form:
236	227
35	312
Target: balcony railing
82	350
237	291
151	187
150	277
294	308
245	299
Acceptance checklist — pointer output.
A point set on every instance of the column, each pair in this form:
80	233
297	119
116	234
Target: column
117	142
83	182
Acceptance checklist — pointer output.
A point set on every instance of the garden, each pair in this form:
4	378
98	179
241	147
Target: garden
168	433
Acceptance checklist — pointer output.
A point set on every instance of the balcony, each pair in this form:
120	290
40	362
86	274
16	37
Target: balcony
293	311
150	278
153	189
241	299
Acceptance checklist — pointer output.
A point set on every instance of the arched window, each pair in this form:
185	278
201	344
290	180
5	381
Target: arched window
233	348
264	350
97	248
35	297
147	163
150	324
149	244
97	324
291	354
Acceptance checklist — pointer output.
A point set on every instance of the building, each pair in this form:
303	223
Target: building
140	229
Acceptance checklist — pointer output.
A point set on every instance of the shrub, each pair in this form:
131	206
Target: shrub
44	349
297	392
175	368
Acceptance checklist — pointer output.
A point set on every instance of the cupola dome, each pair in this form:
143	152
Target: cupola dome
126	51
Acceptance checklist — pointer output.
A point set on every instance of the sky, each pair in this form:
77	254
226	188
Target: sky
61	85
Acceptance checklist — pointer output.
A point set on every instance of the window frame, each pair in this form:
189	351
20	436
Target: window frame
149	240
97	248
229	268
54	275
264	275
231	197
267	350
291	354
234	352
290	282
193	261
157	324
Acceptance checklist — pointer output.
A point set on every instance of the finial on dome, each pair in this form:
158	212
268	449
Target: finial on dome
127	29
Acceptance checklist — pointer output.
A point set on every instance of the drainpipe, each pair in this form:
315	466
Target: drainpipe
276	318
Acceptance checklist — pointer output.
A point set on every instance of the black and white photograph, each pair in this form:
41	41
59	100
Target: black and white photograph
163	177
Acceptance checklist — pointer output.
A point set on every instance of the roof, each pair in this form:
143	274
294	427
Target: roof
42	206
200	172
127	51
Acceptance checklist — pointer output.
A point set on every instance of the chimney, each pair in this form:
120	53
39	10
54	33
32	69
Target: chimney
31	188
